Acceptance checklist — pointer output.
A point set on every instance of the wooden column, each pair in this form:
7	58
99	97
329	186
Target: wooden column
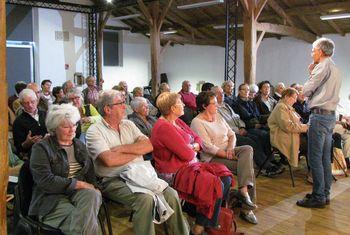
102	20
249	31
3	120
155	17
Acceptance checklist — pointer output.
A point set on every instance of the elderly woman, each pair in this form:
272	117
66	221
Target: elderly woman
175	146
138	92
141	116
285	127
219	146
88	112
64	193
90	94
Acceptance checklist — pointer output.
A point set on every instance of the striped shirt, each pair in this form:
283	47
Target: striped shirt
74	166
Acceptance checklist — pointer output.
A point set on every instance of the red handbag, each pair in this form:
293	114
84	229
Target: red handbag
227	224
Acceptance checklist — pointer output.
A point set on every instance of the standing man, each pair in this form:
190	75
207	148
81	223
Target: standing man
322	93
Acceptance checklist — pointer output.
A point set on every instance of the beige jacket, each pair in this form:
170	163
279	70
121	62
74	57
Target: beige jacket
285	128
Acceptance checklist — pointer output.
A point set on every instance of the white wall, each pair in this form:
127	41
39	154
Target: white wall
52	55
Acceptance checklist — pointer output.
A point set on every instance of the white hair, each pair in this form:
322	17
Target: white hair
136	103
280	84
215	89
253	88
58	113
324	44
27	93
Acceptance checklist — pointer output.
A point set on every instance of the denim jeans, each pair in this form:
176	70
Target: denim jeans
319	153
202	219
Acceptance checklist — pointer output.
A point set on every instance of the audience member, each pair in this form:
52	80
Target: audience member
230	99
29	127
13	101
300	105
58	93
140	117
263	100
175	147
128	97
219	145
116	144
259	140
90	93
253	90
207	86
286	127
189	99
138	92
67	86
342	127
64	191
278	91
46	91
88	112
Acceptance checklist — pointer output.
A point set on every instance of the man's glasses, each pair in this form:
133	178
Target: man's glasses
118	103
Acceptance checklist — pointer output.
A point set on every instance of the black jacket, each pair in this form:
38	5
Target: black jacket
50	167
25	123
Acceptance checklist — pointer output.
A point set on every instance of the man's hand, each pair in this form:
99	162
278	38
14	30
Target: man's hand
242	131
311	67
30	140
230	154
85	120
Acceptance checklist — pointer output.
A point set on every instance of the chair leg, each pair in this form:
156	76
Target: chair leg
165	226
291	175
131	215
102	224
261	166
108	218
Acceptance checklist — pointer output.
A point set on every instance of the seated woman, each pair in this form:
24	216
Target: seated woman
219	145
88	112
175	146
57	92
141	116
64	194
286	127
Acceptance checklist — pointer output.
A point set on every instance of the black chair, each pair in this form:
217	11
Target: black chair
25	224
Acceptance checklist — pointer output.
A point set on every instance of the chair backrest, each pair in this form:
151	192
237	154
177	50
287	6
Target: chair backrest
24	188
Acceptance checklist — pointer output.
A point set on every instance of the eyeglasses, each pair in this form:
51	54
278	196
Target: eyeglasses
118	103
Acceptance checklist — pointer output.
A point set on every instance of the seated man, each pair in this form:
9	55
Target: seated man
259	140
114	144
29	127
189	100
278	91
301	106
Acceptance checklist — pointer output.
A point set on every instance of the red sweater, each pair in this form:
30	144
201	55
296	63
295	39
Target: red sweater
170	145
189	99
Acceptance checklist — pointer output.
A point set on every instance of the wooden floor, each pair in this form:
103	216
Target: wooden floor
277	212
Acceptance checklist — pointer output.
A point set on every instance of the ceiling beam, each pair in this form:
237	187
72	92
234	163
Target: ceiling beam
286	31
259	8
279	10
186	40
311	10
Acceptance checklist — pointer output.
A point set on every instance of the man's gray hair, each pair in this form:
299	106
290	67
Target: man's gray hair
136	103
65	84
324	44
253	88
226	83
27	93
106	98
58	113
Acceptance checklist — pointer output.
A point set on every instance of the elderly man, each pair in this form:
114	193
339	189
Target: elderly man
189	100
114	144
90	93
29	127
322	93
124	86
278	91
259	140
42	102
67	86
301	106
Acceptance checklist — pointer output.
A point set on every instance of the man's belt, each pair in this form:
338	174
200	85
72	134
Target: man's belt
322	111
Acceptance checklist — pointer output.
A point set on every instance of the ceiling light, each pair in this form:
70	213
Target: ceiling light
200	4
125	17
224	26
335	16
109	1
165	32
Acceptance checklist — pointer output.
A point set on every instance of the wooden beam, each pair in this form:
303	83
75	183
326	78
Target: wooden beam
259	8
145	12
164	12
311	27
245	6
102	20
260	38
311	10
3	121
186	40
279	10
286	31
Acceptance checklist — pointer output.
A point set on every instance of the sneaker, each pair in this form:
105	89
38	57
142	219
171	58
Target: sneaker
249	217
311	202
272	171
328	200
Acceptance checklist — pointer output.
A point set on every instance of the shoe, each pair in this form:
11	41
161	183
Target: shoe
249	217
309	195
247	203
272	171
311	202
